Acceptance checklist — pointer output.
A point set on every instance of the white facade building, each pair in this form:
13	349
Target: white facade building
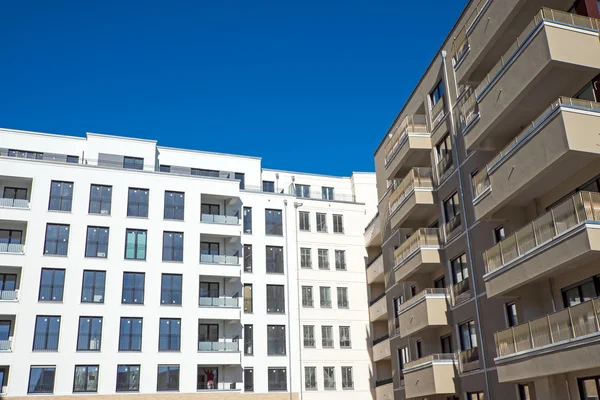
130	267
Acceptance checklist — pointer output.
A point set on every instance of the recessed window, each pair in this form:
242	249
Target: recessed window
41	380
57	240
170	290
276	340
135	244
248	340
167	378
460	270
340	260
165	168
240	176
247	297
61	196
342	297
437	93
511	314
248	379
128	378
133	163
205	172
329	378
52	284
274	259
86	379
172	246
305	257
304	220
303	191
247	219
137	202
327	336
468	337
327	193
130	334
419	346
96	244
100	199
309	335
440	283
169	336
207	335
207	378
524	394
589	388
338	223
273	222
174	205
323	256
475	396
133	287
275	299
581	292
307	296
73	159
452	211
321	222
269	186
499	234
47	329
247	258
325	294
310	378
345	342
93	286
89	337
277	378
347	378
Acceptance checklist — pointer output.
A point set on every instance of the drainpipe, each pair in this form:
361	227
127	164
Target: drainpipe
287	300
296	206
467	235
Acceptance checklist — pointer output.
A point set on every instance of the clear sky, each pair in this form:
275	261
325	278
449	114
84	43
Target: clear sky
307	85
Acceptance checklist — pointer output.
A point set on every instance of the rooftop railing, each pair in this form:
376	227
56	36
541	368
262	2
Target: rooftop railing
421	178
562	326
424	237
437	292
410	124
432	358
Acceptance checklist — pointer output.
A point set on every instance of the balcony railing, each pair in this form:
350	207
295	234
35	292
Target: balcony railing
376	299
461	42
461	291
13	203
438	111
545	14
411	124
451	228
370	262
218	346
327	343
372	221
383	381
424	237
381	339
309	342
443	168
6	345
217	386
583	206
469	360
15	248
468	108
562	326
308	303
417	178
432	358
219	259
437	292
9	295
220	219
224	302
45	342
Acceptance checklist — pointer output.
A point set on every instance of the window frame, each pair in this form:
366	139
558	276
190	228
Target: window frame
173	336
171	251
277	295
131	335
61	197
329	378
307	301
308	336
47	332
171	290
340	260
55	240
323	259
134	289
273	222
302	191
268	186
274	260
247	258
136	244
60	286
342	292
101	201
168	369
248	339
304	221
100	242
472	332
327	193
276	345
86	367
136	163
248	379
128	369
248	300
247	220
306	257
323	299
171	210
42	375
327	341
86	338
340	223
139	203
348	382
347	343
277	385
321	225
94	289
310	383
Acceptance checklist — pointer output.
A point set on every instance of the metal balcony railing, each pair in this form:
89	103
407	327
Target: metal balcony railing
381	339
410	124
6	345
308	303
376	299
431	358
468	108
369	262
421	178
383	381
219	259
424	237
219	346
13	203
224	302
461	41
309	342
9	295
583	206
15	248
437	292
561	326
220	219
327	342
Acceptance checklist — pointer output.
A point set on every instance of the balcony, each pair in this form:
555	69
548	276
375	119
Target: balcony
408	146
412	203
378	308
375	272
219	353
6	344
461	292
373	232
381	348
9	295
12	237
431	375
559	239
561	48
426	310
417	254
469	360
225	308
15	192
549	151
558	343
384	389
220	215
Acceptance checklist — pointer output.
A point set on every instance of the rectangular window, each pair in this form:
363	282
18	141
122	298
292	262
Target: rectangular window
248	379
413	291
499	234
581	292
327	337
165	168
137	202
208	250
347	378
475	396
209	290
248	340
307	296
174	205
275	299
247	219
135	244
128	378
52	285
342	297
345	342
419	345
61	196
100	199
303	191
172	246
274	255
167	378
329	378
11	240
47	329
305	258
8	282
93	286
205	172
323	257
169	335
468	337
247	297
96	244
25	154
273	222
309	335
240	176
437	93
133	287
210	209
86	379
57	240
511	314
208	333
440	283
14	193
130	334
304	220
589	388
327	193
73	159
325	293
321	222
525	395
446	342
338	223
133	163
451	208
276	340
340	260
170	290
403	358
247	258
310	378
89	337
277	379
269	186
41	380
460	271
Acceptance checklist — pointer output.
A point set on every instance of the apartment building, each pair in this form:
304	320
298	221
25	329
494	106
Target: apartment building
482	261
127	267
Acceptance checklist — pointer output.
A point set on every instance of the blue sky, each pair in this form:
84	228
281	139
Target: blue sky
308	86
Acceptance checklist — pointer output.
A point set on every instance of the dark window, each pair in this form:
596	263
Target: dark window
165	168
397	303
274	259
57	240
475	396
11	241
342	297
307	296
452	208
13	193
52	284
277	379
174	205
269	186
96	244
135	244
169	336
100	199
128	378
468	337
325	293
440	283
86	379
499	234
589	388
90	334
248	340
327	193
247	219
347	378
444	148
4	375
208	333
172	246
525	395
93	286
8	283
275	299
327	336
47	329
511	314
209	290
309	335
133	163
61	196
403	358
209	252
446	342
340	260
133	287
321	222
345	342
419	349
304	220
323	257
338	223
247	258
303	191
273	222
25	154
205	172
413	291
460	270
137	202
210	209
248	380
329	378
437	93
276	340
310	378
130	334
41	380
305	258
247	297
73	159
240	176
581	292
170	290
167	378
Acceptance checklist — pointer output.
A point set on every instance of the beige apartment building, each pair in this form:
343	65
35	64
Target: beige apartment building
484	259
